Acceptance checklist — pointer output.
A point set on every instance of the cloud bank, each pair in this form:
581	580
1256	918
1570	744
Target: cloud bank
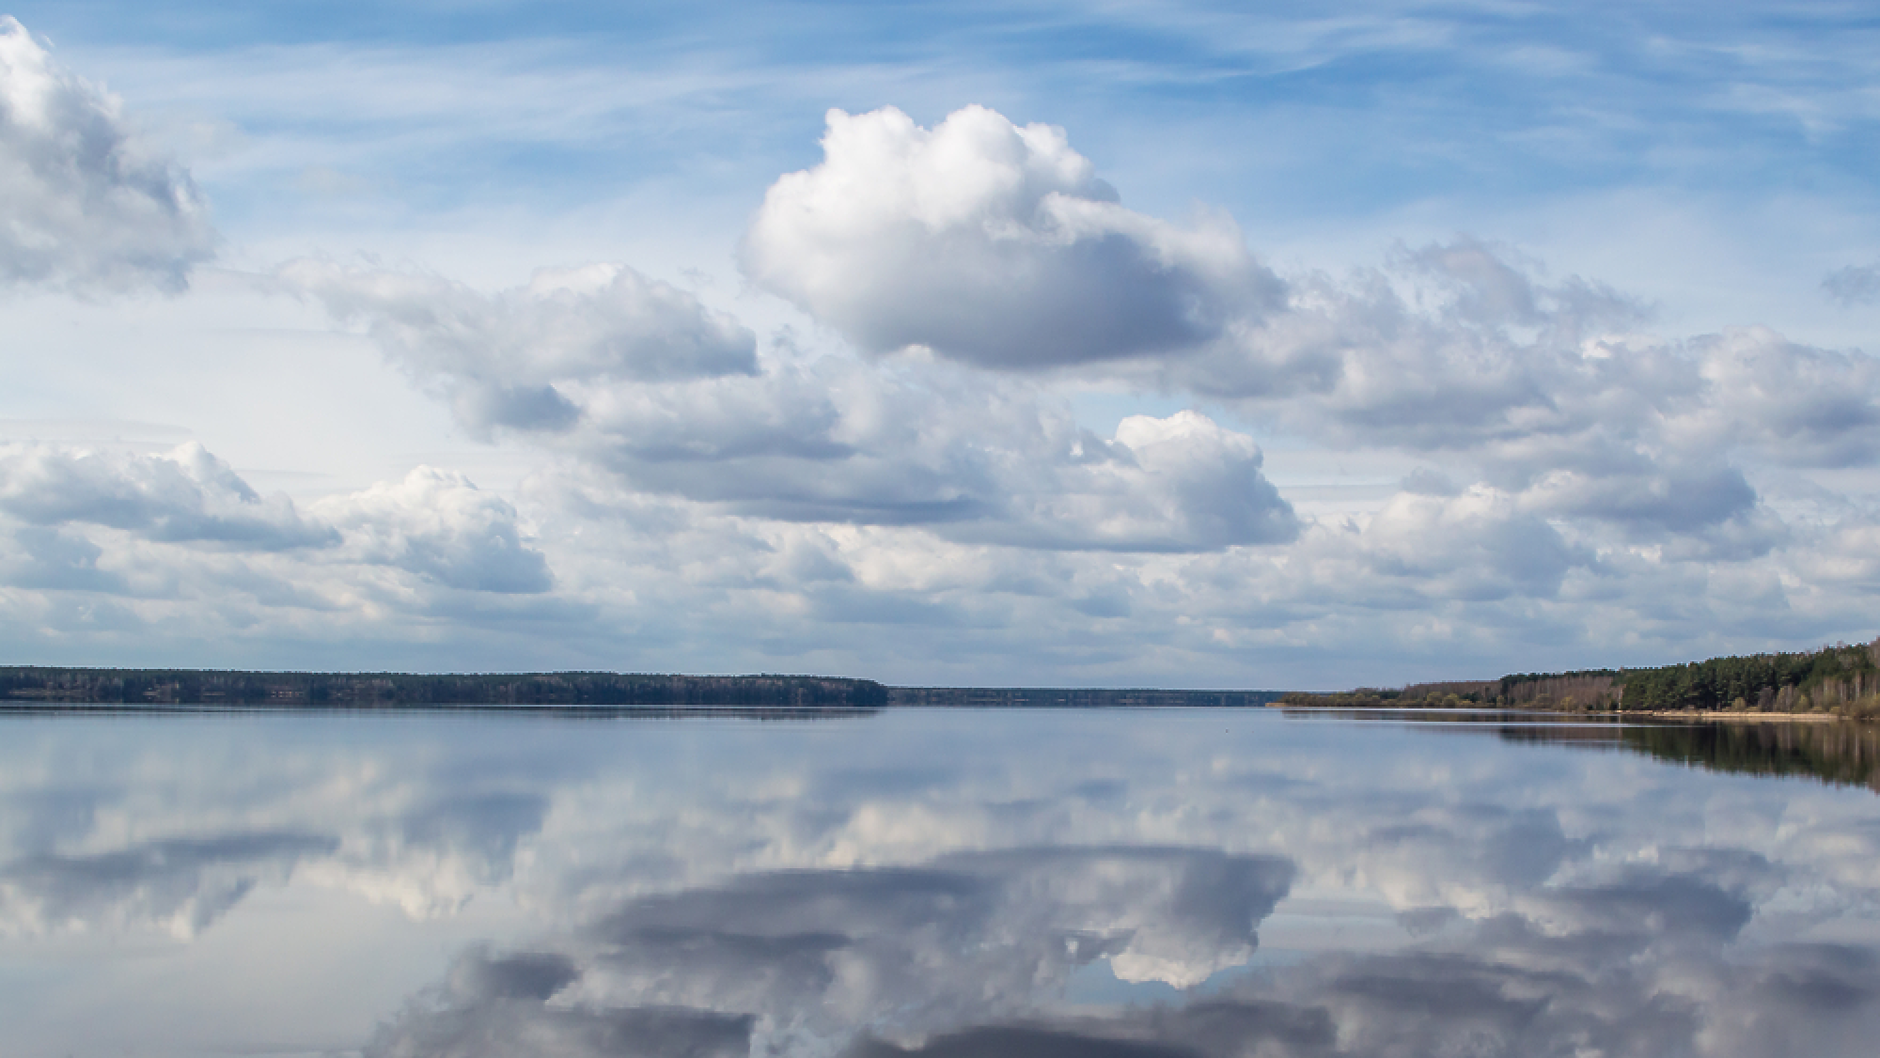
964	389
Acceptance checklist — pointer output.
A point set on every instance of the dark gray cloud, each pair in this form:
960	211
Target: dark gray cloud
84	203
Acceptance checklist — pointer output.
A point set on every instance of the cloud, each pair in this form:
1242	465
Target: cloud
1181	483
1854	285
967	955
1448	346
1014	1042
1788	403
495	1028
1475	546
991	243
440	526
180	884
190	544
842	444
508	359
49	559
705	895
84	203
1548	392
184	495
802	959
820	439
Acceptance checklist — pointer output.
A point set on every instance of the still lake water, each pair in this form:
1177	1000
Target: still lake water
942	882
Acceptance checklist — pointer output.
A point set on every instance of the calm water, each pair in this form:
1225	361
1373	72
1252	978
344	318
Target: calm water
949	883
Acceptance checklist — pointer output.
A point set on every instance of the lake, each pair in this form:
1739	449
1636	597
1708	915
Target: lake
1112	883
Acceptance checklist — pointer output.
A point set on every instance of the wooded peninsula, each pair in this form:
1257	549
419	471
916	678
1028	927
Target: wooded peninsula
1839	680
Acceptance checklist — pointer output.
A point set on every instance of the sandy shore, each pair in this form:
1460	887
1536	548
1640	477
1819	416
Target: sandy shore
1754	718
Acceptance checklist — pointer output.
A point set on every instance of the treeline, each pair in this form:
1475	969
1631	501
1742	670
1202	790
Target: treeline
1597	689
1842	680
363	690
1075	698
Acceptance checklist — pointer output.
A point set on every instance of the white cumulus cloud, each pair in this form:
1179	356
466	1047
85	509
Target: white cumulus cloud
991	243
84	203
442	527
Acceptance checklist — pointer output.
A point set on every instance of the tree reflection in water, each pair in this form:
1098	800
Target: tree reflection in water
1841	753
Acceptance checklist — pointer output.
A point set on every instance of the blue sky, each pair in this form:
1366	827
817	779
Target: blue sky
1109	344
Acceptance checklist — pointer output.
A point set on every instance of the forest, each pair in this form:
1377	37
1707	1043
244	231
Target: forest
195	687
1841	680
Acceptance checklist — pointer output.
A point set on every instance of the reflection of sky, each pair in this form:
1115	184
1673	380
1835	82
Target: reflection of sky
944	882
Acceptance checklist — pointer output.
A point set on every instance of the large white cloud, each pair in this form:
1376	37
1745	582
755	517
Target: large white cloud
84	203
993	243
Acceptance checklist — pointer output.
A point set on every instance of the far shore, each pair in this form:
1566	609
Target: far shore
1744	717
1731	715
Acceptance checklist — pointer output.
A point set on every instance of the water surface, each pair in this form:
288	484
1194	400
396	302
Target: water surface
941	882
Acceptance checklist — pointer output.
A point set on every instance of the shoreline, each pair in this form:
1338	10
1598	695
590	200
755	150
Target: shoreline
1747	717
1710	715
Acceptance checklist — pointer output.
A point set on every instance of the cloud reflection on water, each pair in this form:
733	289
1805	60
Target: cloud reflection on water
970	957
806	957
181	884
934	883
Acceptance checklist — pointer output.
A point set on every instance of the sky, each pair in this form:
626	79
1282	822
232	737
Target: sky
1183	344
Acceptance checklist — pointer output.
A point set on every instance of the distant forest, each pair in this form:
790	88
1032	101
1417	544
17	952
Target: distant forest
1841	680
74	688
191	687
